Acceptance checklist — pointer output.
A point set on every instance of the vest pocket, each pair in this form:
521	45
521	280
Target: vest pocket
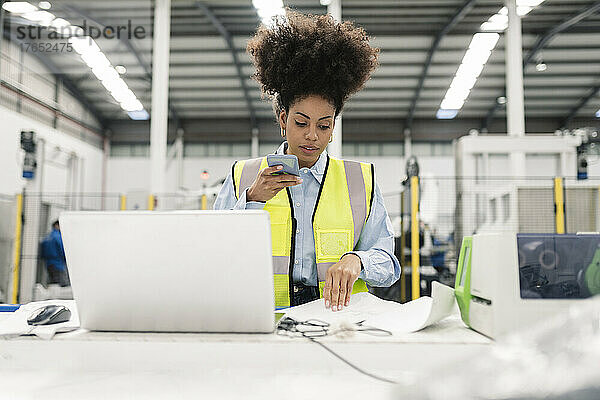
280	230
331	244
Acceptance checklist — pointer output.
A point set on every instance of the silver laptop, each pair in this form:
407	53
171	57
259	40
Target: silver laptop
184	271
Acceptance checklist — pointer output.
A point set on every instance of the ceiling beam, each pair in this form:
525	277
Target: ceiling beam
456	18
238	66
540	43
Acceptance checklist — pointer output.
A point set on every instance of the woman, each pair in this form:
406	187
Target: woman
330	230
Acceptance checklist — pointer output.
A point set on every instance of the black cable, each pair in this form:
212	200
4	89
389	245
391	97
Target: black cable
320	328
362	371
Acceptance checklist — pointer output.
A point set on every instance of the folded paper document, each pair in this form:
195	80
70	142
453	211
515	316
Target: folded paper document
382	314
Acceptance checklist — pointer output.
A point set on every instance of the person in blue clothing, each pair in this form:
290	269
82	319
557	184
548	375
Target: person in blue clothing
310	65
53	254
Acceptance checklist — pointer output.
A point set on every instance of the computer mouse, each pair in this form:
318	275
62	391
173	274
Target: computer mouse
49	315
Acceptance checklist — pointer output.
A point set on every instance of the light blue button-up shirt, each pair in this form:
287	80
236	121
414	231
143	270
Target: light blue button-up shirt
375	246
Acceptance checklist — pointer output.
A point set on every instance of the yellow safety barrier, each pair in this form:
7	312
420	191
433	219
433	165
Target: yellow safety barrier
151	202
204	202
414	237
17	252
123	203
559	205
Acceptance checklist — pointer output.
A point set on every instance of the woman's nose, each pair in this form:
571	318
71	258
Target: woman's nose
312	133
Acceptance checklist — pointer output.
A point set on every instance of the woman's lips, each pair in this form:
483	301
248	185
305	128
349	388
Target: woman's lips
309	149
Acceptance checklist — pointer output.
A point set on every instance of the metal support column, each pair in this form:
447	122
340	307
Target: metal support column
515	108
105	155
179	155
335	147
407	144
160	96
1	33
254	144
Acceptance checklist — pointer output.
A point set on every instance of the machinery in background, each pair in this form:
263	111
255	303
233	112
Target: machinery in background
588	149
505	184
507	281
28	144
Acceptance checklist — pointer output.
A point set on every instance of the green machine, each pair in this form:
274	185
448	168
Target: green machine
462	286
508	281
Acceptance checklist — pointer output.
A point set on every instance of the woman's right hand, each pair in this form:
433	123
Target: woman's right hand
266	185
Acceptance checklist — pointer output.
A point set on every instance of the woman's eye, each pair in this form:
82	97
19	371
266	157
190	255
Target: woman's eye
300	123
324	127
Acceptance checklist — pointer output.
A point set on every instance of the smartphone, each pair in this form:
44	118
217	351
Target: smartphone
288	161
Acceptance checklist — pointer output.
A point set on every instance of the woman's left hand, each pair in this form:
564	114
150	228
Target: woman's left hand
340	280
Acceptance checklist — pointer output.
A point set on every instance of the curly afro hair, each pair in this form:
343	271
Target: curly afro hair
302	55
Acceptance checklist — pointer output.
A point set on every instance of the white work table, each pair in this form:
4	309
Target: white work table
101	365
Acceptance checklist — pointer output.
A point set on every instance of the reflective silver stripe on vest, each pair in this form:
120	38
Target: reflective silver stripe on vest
249	173
281	264
322	270
358	196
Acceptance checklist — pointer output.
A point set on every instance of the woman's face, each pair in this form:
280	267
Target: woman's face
308	128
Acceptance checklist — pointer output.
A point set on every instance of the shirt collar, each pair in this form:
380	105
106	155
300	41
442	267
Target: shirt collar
317	169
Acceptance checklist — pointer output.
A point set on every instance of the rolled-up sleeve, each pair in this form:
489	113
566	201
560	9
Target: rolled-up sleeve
375	246
227	200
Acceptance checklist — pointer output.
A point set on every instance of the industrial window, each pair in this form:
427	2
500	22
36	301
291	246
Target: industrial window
129	150
241	150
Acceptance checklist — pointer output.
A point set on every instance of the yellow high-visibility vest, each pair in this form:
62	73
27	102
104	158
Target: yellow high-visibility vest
341	211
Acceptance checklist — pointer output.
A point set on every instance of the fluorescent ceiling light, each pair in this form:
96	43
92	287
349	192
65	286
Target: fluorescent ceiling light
44	5
446	114
106	73
477	55
464	81
134	105
125	96
141	115
499	18
529	3
470	69
492	27
114	85
523	10
41	17
484	41
267	9
458	93
59	23
84	44
452	104
267	4
19	7
96	60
